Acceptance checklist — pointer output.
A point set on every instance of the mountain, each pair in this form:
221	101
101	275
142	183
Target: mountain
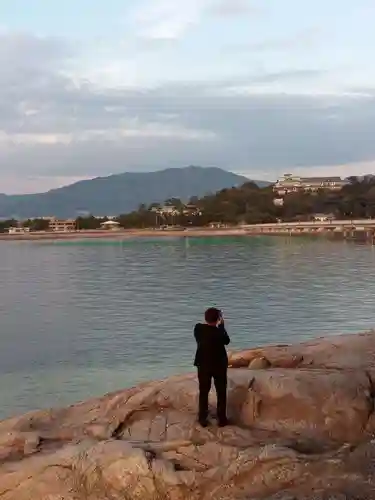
119	193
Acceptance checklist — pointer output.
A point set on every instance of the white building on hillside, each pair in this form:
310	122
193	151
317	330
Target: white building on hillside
294	184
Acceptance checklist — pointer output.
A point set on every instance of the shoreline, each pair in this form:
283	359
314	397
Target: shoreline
123	234
362	235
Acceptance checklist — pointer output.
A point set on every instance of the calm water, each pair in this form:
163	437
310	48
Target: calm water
82	319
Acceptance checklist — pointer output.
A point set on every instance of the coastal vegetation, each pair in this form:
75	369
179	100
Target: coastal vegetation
249	204
252	204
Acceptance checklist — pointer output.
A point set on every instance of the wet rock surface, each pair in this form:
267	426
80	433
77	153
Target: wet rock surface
302	427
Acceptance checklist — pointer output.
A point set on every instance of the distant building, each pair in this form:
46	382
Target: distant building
170	214
164	209
278	202
169	210
191	210
57	225
294	184
323	217
18	230
108	217
173	210
110	225
216	225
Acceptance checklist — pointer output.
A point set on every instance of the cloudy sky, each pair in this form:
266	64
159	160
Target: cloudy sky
89	88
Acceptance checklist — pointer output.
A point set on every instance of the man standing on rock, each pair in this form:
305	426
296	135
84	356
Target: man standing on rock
211	359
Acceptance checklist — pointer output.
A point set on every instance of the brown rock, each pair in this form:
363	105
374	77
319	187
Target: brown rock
303	429
243	359
277	356
325	404
261	363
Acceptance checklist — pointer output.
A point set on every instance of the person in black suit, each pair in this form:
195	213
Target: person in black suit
211	360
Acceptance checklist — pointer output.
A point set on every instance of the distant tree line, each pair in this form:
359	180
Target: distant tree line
251	204
248	204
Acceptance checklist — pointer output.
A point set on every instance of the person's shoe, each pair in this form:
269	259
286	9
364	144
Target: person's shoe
224	422
203	422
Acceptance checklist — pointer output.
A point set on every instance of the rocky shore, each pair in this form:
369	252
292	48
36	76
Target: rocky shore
303	427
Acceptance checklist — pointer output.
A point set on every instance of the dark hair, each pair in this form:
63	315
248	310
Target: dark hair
212	315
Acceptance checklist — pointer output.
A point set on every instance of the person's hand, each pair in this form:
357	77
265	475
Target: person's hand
221	320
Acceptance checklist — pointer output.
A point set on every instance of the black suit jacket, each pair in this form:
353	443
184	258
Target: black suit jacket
211	342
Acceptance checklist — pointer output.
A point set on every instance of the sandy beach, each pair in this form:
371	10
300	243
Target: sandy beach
123	234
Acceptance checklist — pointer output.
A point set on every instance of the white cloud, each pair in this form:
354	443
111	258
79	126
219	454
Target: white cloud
131	130
116	72
163	130
167	19
300	40
172	19
233	7
344	170
12	140
52	126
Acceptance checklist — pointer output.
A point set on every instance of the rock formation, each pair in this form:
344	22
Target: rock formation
303	426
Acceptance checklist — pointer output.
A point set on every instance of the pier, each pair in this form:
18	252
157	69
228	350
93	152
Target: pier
358	230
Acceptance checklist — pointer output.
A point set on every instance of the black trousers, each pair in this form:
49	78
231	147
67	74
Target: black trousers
205	376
